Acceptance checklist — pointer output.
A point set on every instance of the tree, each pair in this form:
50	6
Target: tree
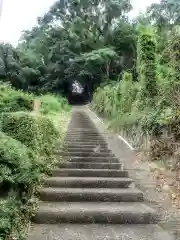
165	14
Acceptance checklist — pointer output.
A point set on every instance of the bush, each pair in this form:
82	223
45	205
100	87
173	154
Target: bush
25	158
19	173
8	214
49	135
12	100
53	104
15	163
23	127
34	131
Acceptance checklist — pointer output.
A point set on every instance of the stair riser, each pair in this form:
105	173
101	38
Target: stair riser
93	217
90	165
84	136
89	140
82	139
77	150
76	173
71	134
85	145
87	184
91	133
84	142
78	197
92	159
85	154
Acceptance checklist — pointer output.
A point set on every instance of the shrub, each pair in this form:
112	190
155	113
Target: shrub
53	104
8	214
23	127
34	131
15	163
12	100
20	171
49	136
146	66
25	158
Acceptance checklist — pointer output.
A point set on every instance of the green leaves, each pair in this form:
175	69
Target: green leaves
166	13
147	67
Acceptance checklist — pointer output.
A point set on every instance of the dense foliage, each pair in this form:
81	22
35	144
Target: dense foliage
92	43
90	40
150	105
27	144
132	67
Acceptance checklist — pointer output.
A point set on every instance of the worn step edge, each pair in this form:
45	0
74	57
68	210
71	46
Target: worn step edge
90	194
94	212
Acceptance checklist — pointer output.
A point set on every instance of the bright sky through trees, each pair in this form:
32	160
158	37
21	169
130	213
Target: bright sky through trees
18	15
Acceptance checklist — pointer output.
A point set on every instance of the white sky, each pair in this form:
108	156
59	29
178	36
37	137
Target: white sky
18	15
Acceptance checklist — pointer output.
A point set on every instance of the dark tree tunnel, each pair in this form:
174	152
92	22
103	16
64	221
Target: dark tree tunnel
75	97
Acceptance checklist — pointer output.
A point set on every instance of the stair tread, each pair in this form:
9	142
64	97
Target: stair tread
88	207
92	182
97	232
90	172
91	190
90	165
92	162
92	179
94	212
91	194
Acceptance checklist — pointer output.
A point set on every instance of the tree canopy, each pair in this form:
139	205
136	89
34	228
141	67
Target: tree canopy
90	40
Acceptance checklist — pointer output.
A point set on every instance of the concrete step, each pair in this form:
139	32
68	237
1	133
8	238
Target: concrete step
84	150
74	134
82	130
88	132
75	150
83	133
90	165
94	212
92	159
84	142
87	182
90	194
97	232
86	154
84	137
84	145
71	172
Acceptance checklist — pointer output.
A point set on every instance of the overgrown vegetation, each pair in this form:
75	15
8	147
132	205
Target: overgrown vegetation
132	67
79	45
27	144
147	109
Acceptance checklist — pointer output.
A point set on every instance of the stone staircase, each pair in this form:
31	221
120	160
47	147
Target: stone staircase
90	195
